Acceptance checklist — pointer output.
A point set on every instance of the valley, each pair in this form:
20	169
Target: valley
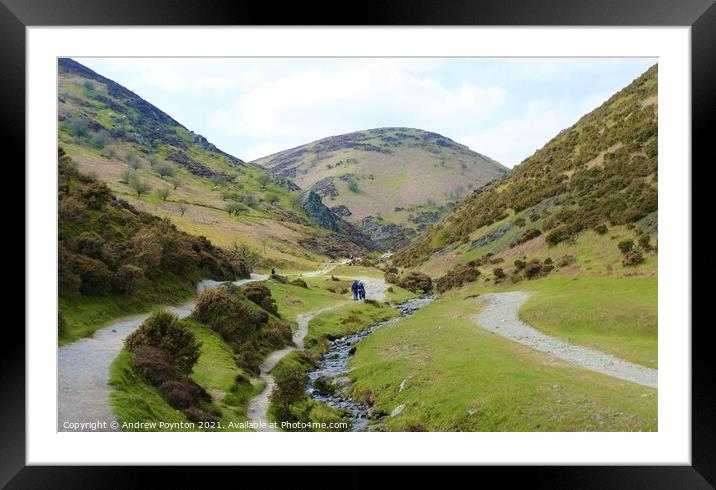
201	290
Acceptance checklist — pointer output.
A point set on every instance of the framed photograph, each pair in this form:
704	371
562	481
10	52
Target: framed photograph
433	234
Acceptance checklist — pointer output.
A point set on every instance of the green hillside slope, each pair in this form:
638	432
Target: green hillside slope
114	259
384	177
161	167
592	184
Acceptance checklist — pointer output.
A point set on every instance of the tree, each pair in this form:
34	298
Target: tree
79	127
264	180
126	177
132	160
165	171
234	208
139	186
290	387
163	193
99	140
272	198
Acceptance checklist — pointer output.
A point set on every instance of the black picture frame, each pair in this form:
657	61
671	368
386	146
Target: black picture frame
16	15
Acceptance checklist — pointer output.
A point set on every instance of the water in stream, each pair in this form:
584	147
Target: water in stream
333	366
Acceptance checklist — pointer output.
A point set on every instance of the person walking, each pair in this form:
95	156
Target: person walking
361	291
354	288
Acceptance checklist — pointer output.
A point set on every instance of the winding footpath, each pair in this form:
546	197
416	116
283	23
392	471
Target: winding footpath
83	391
499	316
257	411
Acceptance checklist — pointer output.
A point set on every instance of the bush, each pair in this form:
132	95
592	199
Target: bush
499	273
633	257
645	243
260	295
601	229
281	279
196	414
127	278
533	269
290	386
300	283
153	363
390	278
416	282
456	277
183	392
165	331
95	276
626	246
519	264
232	318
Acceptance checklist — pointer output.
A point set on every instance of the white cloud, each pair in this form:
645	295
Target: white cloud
313	103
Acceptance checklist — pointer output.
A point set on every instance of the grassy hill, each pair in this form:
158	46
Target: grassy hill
161	167
114	259
590	187
387	176
575	225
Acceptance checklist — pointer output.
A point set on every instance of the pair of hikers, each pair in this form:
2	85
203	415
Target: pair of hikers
358	290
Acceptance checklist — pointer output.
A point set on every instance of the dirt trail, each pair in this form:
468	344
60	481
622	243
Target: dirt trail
499	315
258	406
83	367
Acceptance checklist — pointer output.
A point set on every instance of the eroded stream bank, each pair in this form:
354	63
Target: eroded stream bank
329	382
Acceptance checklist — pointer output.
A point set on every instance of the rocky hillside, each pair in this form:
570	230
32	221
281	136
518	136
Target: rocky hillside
159	166
592	185
388	181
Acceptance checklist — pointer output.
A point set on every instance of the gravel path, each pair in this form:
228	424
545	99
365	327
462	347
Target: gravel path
83	367
258	406
500	316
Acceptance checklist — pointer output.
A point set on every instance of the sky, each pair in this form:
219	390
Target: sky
505	108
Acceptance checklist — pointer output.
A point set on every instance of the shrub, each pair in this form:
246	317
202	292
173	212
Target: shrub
167	332
153	363
499	273
281	279
232	318
372	302
416	282
601	229
89	243
95	276
196	414
456	277
626	245
533	269
260	295
127	278
390	278
528	235
645	243
290	386
557	235
300	283
183	392
632	257
519	264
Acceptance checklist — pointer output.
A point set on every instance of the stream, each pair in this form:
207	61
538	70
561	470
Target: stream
333	366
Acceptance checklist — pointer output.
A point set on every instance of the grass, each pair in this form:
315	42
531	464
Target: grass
345	320
459	377
135	400
617	315
84	316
